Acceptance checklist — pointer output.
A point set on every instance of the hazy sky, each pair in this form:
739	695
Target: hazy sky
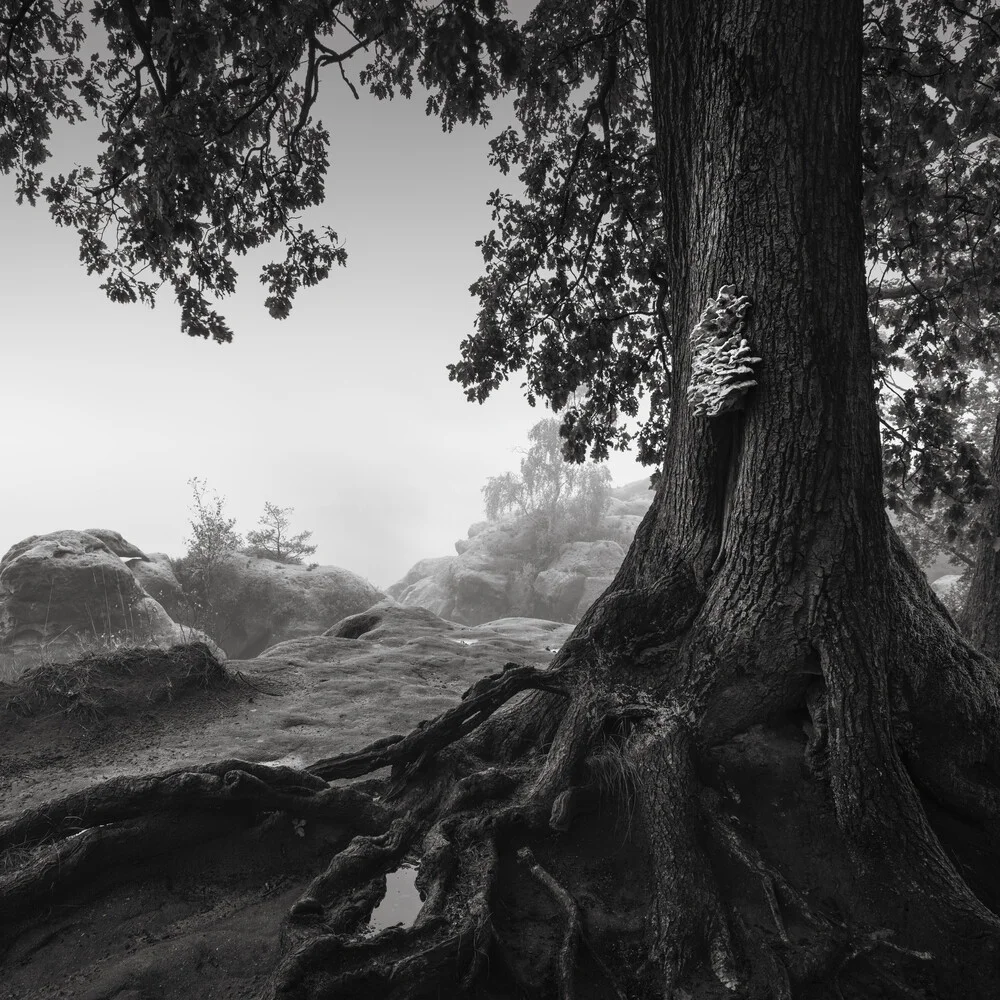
343	411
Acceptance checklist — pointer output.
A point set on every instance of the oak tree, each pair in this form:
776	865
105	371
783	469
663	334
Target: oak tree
806	745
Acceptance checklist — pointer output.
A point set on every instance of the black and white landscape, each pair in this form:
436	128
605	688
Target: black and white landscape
671	670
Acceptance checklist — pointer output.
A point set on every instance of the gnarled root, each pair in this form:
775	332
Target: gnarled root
60	845
444	949
364	859
573	935
232	786
45	874
879	808
728	905
688	920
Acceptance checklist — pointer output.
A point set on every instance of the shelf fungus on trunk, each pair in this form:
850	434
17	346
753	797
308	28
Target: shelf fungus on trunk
722	360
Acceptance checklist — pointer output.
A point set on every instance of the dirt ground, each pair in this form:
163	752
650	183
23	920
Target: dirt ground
206	923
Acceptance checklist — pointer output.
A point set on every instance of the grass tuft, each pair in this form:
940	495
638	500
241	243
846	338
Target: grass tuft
99	684
614	773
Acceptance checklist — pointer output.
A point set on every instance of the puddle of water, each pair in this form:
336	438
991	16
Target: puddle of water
466	642
401	902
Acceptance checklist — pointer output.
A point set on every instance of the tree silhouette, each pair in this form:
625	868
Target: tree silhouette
548	485
272	540
213	539
805	745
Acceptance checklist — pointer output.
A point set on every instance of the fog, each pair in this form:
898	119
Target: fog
343	411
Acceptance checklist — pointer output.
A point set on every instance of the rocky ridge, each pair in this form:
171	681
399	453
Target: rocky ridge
497	570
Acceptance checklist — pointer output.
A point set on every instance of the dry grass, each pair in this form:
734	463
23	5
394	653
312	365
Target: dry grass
615	774
114	681
13	664
11	667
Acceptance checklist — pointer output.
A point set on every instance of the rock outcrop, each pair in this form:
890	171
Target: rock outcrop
69	592
507	568
426	640
579	575
428	584
498	570
257	602
156	576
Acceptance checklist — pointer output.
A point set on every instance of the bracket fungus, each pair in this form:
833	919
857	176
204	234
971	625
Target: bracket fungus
722	360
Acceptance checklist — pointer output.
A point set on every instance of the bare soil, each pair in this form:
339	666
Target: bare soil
205	922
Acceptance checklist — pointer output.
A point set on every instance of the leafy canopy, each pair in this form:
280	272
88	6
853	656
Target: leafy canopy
573	290
210	148
944	525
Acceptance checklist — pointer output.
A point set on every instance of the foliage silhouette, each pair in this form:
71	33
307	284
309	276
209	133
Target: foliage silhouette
272	541
809	743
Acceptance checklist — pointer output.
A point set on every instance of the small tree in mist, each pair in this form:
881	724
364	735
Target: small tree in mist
212	540
273	541
566	499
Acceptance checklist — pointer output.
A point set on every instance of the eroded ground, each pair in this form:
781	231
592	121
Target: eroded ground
206	923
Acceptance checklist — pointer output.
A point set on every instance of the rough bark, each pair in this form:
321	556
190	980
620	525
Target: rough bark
768	712
980	617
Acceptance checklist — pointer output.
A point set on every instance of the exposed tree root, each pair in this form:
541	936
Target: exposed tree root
573	931
595	731
878	806
552	790
946	698
444	949
44	875
688	920
364	859
771	880
231	786
412	751
574	934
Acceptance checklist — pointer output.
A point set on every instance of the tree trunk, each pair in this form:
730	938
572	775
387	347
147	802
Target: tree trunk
768	708
776	509
980	618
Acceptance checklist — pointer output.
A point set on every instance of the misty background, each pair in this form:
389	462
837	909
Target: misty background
343	410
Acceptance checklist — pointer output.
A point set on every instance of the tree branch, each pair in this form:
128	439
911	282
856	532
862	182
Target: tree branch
142	39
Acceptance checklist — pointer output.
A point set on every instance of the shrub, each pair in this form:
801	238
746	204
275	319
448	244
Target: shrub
213	540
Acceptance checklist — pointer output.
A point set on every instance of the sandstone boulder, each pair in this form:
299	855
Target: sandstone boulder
620	528
67	592
427	585
488	578
156	576
259	602
426	640
507	567
580	574
944	586
121	547
629	506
